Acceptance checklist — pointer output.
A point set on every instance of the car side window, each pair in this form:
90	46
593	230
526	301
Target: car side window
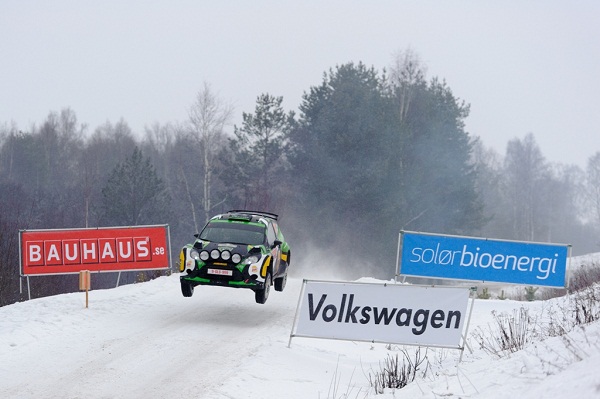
278	234
270	235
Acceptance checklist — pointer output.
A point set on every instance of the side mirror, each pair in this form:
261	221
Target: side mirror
277	243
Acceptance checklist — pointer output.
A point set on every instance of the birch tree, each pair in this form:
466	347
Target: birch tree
406	73
525	172
208	117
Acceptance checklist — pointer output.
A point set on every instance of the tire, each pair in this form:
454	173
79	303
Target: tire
280	283
187	289
261	296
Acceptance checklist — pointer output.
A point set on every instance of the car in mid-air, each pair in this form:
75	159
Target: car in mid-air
238	249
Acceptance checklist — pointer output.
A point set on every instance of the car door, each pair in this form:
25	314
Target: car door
275	249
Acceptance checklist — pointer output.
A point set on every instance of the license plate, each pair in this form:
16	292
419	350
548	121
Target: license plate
220	272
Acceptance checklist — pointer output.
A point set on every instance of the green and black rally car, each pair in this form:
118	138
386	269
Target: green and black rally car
239	249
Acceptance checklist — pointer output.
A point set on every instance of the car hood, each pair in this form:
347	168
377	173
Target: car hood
242	249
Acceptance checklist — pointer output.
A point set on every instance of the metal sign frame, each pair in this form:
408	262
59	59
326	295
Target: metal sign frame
152	243
478	259
374	332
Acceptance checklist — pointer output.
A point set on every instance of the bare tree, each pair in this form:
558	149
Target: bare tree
106	147
525	173
406	72
88	174
8	136
488	164
159	144
16	208
208	117
593	186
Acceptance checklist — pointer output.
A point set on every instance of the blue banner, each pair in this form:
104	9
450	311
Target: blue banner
480	259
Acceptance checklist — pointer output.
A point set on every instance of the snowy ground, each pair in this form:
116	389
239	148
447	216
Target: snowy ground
148	341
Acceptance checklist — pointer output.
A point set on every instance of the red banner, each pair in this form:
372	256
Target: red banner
101	249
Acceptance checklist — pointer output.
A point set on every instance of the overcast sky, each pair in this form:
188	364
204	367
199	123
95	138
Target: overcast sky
523	66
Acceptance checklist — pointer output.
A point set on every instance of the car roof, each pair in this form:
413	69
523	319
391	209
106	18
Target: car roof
245	215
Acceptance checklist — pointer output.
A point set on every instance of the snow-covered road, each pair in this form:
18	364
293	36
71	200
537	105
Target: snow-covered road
148	341
145	340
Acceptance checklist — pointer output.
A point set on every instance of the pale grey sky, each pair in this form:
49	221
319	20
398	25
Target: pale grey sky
524	66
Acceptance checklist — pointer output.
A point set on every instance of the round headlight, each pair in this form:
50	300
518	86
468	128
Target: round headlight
225	255
194	254
204	255
236	258
251	259
215	254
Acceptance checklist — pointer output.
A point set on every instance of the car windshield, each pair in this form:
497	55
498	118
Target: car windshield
235	233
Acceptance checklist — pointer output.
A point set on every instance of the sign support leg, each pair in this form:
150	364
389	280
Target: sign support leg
464	337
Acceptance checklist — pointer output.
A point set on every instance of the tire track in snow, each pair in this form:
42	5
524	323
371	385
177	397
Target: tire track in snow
152	342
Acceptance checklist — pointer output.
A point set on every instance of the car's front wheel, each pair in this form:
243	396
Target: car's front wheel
261	295
187	289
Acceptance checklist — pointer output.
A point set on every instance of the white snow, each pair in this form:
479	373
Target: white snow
148	341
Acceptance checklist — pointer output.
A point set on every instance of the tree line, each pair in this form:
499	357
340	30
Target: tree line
367	154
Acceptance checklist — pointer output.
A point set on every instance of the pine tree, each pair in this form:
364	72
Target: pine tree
258	150
134	194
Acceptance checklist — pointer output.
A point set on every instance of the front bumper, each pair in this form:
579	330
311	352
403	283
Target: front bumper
238	279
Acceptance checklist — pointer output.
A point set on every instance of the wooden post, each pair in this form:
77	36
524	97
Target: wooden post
85	284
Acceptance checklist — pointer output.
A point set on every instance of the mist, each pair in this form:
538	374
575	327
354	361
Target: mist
366	157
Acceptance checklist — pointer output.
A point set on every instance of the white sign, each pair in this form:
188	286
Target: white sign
390	313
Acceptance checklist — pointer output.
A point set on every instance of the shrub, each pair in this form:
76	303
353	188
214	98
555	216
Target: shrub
530	293
512	333
509	333
586	305
584	276
396	375
485	294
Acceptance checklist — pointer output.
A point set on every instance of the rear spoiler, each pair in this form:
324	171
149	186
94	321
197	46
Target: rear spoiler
258	213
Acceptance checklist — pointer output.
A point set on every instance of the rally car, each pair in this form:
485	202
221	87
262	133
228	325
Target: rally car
239	249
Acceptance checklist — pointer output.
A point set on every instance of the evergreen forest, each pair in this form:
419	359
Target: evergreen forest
366	154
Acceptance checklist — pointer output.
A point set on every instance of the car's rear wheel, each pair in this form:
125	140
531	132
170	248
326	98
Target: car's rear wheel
261	295
280	283
187	289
